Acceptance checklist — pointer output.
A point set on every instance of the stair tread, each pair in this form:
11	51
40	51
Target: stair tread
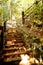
13	48
14	44
7	54
12	59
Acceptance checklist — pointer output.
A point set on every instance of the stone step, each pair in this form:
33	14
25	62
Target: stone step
9	39
14	37
13	48
14	44
8	56
8	59
15	34
19	41
14	53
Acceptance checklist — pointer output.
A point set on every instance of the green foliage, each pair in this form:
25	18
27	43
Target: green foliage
5	10
4	2
14	7
38	10
0	15
0	11
31	9
37	21
5	13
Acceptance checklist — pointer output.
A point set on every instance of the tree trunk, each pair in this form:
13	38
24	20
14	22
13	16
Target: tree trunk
23	20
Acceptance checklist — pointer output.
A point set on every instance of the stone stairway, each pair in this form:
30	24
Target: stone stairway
14	46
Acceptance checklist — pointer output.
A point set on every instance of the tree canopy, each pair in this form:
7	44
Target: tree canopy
15	7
